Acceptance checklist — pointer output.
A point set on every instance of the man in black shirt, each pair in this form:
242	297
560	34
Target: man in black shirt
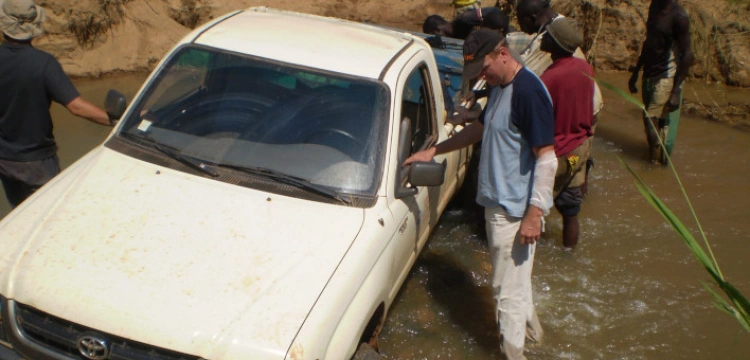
665	59
30	80
464	23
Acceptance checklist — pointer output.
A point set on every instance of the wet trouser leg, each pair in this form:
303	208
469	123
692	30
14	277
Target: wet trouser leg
22	178
656	93
669	125
511	282
651	131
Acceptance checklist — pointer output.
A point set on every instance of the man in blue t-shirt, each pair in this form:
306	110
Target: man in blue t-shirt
516	174
31	79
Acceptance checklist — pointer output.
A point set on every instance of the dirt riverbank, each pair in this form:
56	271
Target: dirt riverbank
98	37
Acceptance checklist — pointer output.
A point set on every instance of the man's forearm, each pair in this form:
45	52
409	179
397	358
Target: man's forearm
87	110
638	64
471	134
684	52
544	180
681	74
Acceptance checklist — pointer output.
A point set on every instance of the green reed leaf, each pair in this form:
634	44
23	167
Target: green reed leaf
673	220
737	304
739	308
625	95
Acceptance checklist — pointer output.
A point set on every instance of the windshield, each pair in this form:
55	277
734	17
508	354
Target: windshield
237	112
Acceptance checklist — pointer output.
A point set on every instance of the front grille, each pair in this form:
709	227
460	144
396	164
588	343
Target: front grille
61	337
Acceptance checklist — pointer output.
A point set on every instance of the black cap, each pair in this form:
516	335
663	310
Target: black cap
476	46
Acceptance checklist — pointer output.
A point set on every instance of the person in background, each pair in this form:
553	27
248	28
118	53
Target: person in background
464	23
30	80
462	6
665	58
570	83
533	18
516	175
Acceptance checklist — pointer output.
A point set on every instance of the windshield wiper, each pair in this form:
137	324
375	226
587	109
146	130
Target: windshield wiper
289	180
174	154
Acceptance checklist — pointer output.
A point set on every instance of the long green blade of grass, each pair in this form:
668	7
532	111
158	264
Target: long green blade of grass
640	105
722	305
678	226
738	306
625	95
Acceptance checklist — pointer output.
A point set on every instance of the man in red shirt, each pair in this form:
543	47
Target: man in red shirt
571	88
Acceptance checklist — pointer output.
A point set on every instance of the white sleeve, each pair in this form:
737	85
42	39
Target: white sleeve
544	180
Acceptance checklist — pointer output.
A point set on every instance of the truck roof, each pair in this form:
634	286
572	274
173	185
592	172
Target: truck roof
320	42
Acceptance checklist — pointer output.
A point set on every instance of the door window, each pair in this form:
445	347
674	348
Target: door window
418	104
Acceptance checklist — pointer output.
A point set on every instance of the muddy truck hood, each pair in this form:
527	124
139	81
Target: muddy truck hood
173	260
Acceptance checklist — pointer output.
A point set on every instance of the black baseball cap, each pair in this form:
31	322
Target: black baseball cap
477	45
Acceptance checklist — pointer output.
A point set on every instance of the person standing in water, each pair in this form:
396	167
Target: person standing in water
570	84
665	59
516	175
31	80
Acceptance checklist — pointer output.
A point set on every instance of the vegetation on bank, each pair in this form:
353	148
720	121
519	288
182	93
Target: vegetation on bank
88	26
614	31
720	32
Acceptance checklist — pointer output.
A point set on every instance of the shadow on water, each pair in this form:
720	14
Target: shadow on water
447	288
467	305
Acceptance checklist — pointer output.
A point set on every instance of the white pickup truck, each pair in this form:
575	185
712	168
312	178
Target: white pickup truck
251	203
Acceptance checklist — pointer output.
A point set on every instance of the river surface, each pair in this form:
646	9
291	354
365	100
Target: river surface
631	290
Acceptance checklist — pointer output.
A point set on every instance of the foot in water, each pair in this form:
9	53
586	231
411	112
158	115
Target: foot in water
658	155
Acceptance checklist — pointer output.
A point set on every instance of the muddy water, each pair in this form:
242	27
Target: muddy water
631	290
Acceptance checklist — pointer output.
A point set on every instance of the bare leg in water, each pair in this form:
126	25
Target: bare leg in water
655	149
570	231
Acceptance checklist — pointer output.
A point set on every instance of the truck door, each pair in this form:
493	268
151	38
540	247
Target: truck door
415	213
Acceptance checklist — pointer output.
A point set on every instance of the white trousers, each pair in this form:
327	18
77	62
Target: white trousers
511	283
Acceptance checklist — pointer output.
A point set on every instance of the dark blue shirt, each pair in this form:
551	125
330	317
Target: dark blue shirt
30	80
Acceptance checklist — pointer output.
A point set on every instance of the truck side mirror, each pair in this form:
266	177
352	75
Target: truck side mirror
404	150
115	104
427	173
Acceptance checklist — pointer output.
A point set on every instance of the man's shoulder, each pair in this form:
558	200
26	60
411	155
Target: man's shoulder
680	15
576	63
518	41
526	80
679	10
527	86
489	10
26	51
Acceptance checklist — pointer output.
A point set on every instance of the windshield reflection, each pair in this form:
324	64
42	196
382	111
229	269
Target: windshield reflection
243	112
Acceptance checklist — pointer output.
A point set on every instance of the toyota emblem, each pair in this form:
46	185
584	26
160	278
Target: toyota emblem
93	347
